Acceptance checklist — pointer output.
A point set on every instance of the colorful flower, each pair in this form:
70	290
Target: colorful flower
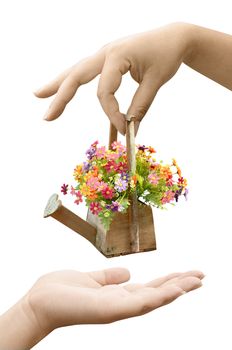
64	189
125	176
86	167
78	198
122	167
93	182
92	196
95	208
111	166
168	197
106	183
153	178
85	190
142	148
117	145
133	181
120	185
151	150
77	172
100	152
182	181
107	193
73	191
112	155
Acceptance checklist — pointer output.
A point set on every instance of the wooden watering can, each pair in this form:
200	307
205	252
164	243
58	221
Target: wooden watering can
130	232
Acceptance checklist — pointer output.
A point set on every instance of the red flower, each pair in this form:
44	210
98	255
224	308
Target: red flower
111	166
107	192
169	180
122	167
95	208
64	189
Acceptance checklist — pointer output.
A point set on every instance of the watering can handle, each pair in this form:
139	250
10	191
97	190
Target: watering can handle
131	159
133	208
130	140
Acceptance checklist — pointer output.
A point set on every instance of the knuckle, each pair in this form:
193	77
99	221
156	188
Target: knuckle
141	110
113	49
101	94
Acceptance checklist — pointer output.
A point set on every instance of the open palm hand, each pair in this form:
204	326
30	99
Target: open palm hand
70	297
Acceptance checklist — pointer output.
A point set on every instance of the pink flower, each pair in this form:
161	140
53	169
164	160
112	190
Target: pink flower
95	208
108	193
153	178
116	145
78	198
73	191
113	156
93	182
100	152
168	197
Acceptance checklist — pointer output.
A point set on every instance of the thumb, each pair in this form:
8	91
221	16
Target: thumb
115	275
142	100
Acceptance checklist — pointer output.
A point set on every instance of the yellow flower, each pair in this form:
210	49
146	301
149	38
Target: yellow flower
77	172
85	190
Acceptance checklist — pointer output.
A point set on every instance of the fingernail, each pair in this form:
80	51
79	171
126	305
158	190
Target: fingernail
45	117
36	91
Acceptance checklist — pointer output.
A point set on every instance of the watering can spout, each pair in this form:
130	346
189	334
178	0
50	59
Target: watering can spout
55	209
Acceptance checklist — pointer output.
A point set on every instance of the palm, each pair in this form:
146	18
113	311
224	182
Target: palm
73	297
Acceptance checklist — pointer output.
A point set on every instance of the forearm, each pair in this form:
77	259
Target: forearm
210	54
19	328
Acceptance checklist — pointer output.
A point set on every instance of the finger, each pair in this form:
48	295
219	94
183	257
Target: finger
187	284
145	300
137	124
142	99
110	276
52	87
153	298
80	74
109	83
171	278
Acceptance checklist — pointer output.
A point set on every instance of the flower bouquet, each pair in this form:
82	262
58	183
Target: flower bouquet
106	184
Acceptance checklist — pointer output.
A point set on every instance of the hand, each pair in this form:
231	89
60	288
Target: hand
152	58
66	298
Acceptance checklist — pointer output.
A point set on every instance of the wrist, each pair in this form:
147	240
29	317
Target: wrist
187	34
19	327
191	39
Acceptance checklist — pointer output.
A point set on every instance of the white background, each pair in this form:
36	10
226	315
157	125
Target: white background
189	120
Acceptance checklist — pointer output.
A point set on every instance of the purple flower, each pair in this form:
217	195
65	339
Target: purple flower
186	193
178	193
114	206
124	176
85	167
91	152
142	148
121	185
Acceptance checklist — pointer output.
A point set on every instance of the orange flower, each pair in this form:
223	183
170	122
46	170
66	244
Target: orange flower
151	150
92	195
134	178
179	171
165	171
174	162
